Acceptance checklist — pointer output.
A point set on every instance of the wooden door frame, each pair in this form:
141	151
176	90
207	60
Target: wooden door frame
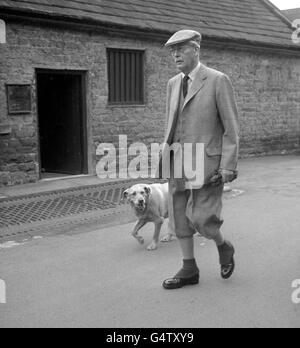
83	79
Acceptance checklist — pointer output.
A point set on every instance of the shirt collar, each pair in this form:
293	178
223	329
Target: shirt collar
193	73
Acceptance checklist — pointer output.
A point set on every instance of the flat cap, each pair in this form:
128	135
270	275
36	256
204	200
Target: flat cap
184	36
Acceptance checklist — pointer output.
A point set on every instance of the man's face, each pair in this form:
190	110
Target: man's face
186	56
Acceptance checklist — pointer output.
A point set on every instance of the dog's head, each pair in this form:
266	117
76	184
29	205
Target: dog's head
138	196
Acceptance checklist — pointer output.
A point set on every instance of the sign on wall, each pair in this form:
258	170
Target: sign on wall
2	32
19	99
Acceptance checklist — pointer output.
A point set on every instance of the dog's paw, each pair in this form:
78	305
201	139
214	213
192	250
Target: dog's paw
168	238
140	240
152	246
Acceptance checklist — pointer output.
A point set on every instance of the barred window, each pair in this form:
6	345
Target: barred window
125	76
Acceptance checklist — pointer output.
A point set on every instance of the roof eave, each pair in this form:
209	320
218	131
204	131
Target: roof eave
115	28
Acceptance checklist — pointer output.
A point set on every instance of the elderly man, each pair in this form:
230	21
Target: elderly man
201	109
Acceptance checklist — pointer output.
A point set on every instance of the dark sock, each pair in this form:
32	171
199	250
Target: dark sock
225	246
188	270
226	252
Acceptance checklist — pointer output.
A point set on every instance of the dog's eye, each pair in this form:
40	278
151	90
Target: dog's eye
142	192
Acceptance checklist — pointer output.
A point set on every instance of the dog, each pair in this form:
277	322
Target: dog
150	203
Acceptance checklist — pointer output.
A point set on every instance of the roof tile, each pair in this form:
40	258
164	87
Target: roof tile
250	20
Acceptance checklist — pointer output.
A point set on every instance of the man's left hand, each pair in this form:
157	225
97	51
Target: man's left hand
228	175
223	176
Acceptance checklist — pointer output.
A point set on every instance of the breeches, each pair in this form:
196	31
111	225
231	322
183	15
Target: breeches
194	211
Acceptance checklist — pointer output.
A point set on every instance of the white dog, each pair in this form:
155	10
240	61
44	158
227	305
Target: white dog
150	204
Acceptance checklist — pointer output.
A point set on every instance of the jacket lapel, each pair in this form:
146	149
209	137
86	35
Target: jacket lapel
197	84
174	106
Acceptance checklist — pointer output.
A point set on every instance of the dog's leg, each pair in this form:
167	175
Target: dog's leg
139	225
158	224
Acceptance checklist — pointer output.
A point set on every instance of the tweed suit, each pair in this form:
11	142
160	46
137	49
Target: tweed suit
208	115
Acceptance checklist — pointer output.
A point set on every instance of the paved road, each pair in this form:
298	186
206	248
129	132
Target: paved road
104	279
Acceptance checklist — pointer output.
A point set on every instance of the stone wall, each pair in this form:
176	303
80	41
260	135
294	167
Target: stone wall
266	84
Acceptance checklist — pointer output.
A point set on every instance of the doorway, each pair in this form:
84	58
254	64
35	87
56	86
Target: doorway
62	122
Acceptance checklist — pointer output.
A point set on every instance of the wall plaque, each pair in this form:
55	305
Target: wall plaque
19	99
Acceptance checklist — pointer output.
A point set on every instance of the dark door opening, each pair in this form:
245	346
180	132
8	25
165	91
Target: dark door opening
62	122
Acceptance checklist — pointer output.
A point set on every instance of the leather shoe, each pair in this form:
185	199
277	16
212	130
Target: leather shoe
177	283
227	270
227	262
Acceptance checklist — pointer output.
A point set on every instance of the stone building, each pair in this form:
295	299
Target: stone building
74	74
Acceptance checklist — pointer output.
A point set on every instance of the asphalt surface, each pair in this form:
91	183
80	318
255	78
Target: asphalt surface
103	278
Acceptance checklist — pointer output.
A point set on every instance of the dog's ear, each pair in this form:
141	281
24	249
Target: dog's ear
147	190
125	195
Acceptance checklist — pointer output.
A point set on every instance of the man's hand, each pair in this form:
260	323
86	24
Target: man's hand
223	176
228	175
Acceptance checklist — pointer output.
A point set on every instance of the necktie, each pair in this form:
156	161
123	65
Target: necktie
185	85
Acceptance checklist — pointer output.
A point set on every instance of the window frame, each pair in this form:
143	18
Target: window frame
114	103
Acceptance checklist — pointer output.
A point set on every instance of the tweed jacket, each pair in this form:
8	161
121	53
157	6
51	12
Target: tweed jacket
209	116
